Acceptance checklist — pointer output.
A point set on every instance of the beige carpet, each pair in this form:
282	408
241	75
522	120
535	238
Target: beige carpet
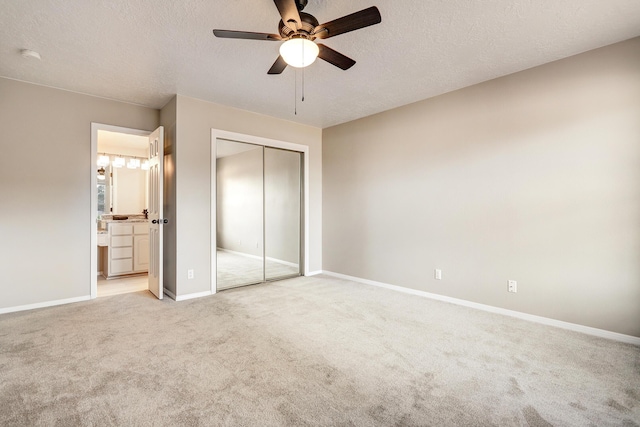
305	351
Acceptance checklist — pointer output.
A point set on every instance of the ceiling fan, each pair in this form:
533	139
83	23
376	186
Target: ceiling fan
299	30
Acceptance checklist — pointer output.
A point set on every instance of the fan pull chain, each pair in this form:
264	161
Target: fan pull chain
295	96
303	74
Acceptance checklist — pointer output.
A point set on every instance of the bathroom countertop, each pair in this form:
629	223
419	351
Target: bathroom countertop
118	221
103	224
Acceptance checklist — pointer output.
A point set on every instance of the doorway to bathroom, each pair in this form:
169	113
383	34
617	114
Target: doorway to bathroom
126	210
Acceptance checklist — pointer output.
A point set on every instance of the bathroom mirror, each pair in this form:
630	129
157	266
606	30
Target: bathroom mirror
122	190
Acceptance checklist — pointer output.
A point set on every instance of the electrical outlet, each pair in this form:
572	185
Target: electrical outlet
512	286
190	274
437	274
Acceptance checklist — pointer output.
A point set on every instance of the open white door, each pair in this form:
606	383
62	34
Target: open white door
156	222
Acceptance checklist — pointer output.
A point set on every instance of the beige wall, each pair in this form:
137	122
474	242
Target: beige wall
45	166
533	177
195	119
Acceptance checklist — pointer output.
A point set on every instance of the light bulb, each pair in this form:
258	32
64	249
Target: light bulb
299	52
118	162
133	163
103	160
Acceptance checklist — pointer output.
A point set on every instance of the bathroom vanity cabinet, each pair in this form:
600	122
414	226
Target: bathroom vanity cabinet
128	250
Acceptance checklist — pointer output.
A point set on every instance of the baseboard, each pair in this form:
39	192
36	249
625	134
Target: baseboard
192	296
169	294
314	273
44	304
497	310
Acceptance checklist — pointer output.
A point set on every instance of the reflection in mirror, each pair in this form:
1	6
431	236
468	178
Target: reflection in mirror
239	232
281	212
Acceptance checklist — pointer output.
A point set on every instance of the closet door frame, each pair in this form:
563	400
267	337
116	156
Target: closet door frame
217	134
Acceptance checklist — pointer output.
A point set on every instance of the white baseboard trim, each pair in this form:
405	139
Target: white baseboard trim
497	310
169	294
313	273
44	304
192	296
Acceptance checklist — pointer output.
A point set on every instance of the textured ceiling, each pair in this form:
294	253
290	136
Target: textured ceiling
146	51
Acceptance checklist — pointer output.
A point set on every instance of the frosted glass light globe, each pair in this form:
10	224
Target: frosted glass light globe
299	52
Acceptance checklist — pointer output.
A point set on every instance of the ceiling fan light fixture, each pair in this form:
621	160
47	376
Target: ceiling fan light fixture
299	52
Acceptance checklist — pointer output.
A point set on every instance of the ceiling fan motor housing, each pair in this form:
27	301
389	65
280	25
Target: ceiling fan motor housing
309	23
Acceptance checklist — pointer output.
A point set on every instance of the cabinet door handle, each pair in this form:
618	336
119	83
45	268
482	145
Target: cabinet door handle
165	221
154	221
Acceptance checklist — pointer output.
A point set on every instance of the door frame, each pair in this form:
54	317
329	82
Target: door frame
266	142
93	218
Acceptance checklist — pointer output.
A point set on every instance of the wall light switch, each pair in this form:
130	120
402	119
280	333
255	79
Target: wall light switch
438	274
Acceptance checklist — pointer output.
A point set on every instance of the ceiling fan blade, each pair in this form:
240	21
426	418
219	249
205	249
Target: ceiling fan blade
278	66
355	21
229	34
335	58
289	13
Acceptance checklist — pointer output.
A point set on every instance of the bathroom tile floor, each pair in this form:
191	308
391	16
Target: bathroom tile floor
122	286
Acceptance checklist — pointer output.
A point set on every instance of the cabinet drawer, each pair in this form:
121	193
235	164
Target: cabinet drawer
117	253
120	266
121	229
141	228
120	241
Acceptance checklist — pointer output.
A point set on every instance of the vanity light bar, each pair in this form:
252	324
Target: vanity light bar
121	161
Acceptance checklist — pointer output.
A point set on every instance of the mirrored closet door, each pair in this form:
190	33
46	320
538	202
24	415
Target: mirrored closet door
258	214
282	213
